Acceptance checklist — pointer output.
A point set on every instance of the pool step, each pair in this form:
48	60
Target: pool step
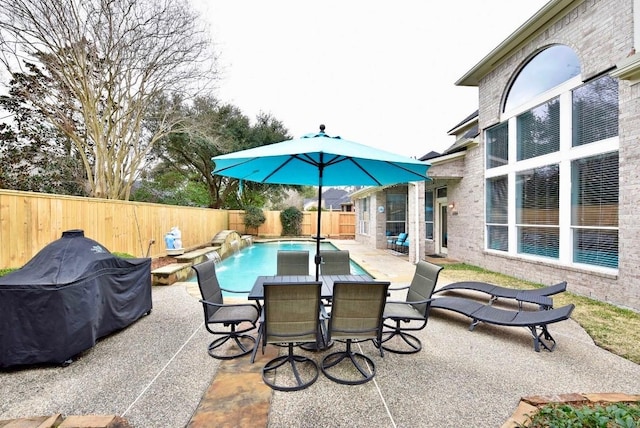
181	270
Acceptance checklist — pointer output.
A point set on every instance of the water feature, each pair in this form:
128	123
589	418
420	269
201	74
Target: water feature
214	256
240	270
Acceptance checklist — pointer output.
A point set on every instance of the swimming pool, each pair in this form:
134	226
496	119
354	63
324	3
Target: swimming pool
240	270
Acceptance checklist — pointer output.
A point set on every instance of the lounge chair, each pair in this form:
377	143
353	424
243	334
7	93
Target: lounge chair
397	244
232	315
414	308
391	239
535	321
293	262
291	317
356	316
335	262
404	248
535	295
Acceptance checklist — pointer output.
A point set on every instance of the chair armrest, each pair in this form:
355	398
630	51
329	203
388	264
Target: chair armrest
235	291
206	302
404	287
228	305
413	302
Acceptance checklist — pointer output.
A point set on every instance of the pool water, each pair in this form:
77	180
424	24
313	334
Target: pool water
240	270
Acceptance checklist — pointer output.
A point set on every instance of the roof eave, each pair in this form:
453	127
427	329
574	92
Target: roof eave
628	69
550	12
448	158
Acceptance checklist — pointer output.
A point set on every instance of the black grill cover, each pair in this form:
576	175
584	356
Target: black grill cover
70	294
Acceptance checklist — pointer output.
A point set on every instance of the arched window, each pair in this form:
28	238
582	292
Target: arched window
546	70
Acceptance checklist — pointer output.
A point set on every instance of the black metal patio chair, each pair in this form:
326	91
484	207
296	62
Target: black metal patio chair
335	262
230	316
356	316
291	317
292	262
414	308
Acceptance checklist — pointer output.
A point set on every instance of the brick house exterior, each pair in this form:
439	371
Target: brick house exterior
603	34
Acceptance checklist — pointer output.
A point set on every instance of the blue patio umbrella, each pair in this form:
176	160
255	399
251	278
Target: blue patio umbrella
320	160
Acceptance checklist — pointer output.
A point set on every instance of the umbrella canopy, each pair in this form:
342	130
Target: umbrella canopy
317	160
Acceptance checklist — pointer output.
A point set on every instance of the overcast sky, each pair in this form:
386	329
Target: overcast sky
377	72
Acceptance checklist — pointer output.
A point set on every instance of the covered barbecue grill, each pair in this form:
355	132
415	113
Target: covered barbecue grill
70	294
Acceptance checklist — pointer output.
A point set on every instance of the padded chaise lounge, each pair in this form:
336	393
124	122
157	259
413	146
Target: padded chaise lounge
534	295
535	321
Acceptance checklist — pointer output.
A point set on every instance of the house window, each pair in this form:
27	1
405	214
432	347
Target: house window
428	213
539	130
363	216
595	111
396	210
594	210
537	204
498	145
548	69
497	210
552	166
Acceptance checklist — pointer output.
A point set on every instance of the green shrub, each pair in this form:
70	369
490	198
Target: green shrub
253	217
567	416
6	271
291	219
123	255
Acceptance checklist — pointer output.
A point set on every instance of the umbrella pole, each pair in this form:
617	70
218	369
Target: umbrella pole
317	258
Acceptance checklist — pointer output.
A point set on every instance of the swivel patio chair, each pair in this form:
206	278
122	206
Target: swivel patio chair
290	316
231	316
414	308
356	316
335	262
292	262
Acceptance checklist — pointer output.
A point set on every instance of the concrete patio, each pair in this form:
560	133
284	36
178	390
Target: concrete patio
156	372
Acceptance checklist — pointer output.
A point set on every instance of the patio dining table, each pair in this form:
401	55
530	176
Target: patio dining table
326	292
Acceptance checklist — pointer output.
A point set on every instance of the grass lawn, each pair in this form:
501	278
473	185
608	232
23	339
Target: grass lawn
612	328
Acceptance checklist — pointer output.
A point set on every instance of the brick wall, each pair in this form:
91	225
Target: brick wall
601	34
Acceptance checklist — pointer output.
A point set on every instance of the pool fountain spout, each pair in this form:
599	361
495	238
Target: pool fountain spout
214	256
247	240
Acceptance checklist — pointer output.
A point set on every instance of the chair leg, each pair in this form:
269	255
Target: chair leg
255	348
245	344
413	342
359	361
269	370
538	338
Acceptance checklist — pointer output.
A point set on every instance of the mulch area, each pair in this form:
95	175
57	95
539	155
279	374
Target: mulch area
161	261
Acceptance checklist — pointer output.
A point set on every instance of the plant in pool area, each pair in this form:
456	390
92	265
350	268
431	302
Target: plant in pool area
625	415
122	255
253	217
6	271
291	219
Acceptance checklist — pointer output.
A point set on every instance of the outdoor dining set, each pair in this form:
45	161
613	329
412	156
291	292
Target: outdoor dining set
294	309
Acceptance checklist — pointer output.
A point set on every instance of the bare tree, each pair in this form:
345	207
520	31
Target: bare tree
107	64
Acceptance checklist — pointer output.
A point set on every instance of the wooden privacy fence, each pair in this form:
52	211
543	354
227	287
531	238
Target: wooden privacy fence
335	224
29	221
